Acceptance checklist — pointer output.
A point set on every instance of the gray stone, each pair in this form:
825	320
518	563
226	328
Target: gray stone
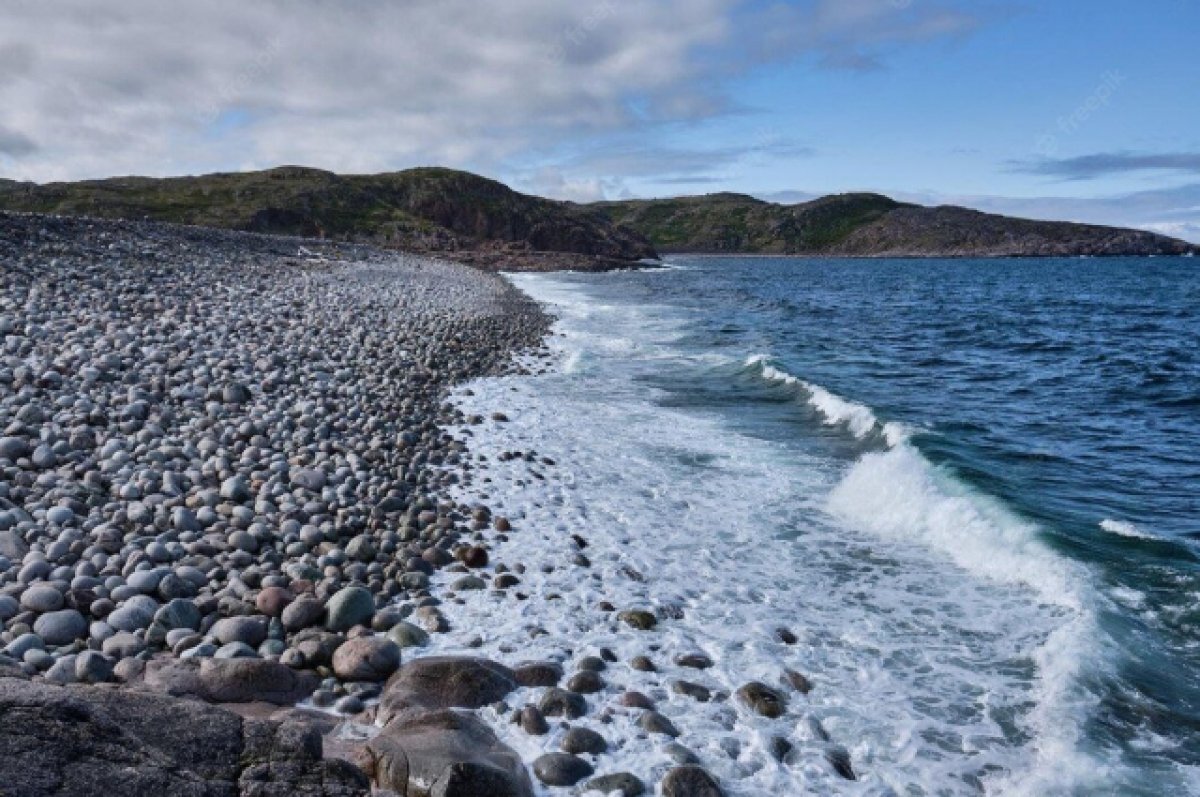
13	448
407	635
61	627
249	631
92	667
179	613
42	598
133	615
235	489
349	607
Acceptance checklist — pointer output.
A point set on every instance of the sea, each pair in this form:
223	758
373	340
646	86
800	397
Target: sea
969	489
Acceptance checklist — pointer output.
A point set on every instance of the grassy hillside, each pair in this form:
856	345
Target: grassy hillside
868	225
487	223
740	223
429	209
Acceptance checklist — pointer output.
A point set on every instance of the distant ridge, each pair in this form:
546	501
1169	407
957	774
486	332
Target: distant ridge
867	225
486	223
425	209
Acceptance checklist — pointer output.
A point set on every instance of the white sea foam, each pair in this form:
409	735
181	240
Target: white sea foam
1124	528
858	418
931	619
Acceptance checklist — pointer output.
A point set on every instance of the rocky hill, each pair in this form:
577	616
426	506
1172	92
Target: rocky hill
867	225
424	210
484	222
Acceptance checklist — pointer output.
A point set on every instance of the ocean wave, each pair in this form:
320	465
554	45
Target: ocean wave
898	494
1124	528
859	419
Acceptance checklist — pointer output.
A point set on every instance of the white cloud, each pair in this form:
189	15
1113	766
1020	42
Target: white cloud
145	86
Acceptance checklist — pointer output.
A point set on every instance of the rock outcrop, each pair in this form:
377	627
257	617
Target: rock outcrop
87	740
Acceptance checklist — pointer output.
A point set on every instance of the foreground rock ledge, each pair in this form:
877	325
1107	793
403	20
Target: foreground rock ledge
89	740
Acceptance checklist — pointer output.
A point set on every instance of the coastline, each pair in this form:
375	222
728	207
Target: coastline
234	509
239	530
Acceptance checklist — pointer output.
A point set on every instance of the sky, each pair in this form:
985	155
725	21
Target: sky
1084	110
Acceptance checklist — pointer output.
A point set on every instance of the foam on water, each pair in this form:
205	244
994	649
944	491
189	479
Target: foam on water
946	642
1124	528
858	418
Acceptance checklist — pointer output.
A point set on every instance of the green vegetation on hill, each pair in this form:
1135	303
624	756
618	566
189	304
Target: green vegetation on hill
740	223
427	209
868	225
486	223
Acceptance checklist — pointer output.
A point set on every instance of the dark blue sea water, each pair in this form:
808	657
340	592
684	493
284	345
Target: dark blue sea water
979	484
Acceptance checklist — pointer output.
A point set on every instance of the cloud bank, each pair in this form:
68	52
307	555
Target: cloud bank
142	86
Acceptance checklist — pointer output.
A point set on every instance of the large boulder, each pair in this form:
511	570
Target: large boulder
366	659
437	682
230	680
444	754
79	741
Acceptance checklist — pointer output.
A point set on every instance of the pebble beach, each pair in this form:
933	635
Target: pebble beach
232	481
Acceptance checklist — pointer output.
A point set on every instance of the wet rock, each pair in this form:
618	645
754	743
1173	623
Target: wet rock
561	769
444	753
623	783
693	690
779	747
762	699
93	740
654	722
690	781
636	700
585	682
561	703
533	722
541	673
839	758
642	664
639	619
797	681
697	661
583	740
438	682
407	635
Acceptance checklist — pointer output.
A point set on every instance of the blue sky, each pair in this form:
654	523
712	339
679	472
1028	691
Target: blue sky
1055	106
1067	109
